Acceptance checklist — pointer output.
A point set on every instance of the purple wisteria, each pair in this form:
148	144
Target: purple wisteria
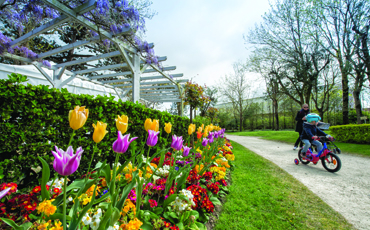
65	162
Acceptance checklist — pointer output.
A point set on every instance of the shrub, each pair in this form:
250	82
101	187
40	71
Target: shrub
352	133
34	119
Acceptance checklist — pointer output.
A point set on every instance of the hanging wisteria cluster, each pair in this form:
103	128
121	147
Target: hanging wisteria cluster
112	16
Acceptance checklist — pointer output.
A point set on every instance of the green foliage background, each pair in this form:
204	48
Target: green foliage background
34	119
352	133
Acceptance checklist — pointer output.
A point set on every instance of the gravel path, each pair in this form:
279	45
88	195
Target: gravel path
346	191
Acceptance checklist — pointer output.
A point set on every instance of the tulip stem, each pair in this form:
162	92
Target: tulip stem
64	203
114	177
88	170
70	140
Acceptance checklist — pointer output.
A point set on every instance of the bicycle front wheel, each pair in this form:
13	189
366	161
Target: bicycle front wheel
331	162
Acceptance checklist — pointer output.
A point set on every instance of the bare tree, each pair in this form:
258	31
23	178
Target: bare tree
236	89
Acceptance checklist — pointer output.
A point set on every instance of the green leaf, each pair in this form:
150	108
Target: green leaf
215	201
12	224
169	200
45	178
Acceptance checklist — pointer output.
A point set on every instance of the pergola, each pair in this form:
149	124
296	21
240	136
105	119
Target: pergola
159	88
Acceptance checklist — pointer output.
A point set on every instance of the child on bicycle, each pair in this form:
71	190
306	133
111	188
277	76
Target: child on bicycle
311	132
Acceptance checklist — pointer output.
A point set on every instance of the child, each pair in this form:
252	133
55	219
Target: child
311	132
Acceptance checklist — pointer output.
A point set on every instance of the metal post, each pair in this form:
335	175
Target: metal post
136	78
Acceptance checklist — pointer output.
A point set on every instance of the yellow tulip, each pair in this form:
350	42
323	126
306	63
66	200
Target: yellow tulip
200	129
167	127
99	131
191	129
155	125
78	117
122	123
152	125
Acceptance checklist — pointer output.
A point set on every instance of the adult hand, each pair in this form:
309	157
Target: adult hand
304	118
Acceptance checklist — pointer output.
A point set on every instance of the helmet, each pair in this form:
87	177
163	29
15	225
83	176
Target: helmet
313	117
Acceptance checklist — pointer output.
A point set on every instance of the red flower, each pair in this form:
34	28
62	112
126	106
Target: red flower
36	189
153	203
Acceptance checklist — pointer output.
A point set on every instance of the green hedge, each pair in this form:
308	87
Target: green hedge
352	133
35	118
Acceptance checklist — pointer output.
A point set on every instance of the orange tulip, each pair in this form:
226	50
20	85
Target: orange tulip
199	135
78	117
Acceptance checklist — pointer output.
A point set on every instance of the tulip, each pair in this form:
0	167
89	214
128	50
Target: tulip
177	142
205	142
99	131
200	129
66	163
186	151
216	134
210	140
78	117
199	135
148	124
4	192
152	138
210	135
122	143
151	125
167	127
191	129
122	123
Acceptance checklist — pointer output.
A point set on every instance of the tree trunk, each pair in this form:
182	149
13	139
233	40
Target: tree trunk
276	114
356	96
191	114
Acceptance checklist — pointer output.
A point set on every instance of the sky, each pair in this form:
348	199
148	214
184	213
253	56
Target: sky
203	38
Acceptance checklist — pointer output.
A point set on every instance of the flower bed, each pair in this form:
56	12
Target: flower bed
175	188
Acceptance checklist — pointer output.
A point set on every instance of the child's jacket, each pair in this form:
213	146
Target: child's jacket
311	130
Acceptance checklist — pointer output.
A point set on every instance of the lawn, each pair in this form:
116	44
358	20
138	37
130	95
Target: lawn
290	137
263	196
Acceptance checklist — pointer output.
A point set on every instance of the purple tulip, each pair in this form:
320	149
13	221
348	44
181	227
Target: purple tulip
122	142
4	192
152	138
186	151
176	142
66	163
210	135
205	142
216	134
210	140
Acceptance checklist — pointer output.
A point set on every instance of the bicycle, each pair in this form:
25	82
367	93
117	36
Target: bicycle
330	161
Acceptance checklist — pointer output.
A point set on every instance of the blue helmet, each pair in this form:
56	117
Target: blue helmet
313	117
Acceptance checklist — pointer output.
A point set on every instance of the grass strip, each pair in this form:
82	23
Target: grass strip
263	196
290	137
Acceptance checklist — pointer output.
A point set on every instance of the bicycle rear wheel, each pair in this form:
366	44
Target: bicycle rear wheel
331	162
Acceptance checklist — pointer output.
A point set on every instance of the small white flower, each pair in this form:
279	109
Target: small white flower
97	214
70	199
116	227
86	219
95	224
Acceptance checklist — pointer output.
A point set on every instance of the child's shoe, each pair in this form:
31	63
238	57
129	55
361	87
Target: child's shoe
295	147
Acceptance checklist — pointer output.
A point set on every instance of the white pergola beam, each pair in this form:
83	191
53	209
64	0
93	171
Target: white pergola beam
111	75
164	69
89	59
159	90
161	77
107	67
152	83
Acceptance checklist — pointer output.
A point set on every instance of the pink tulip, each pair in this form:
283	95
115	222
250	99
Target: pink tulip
122	143
66	163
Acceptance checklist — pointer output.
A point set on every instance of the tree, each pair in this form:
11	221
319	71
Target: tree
211	93
331	19
194	97
236	89
282	38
